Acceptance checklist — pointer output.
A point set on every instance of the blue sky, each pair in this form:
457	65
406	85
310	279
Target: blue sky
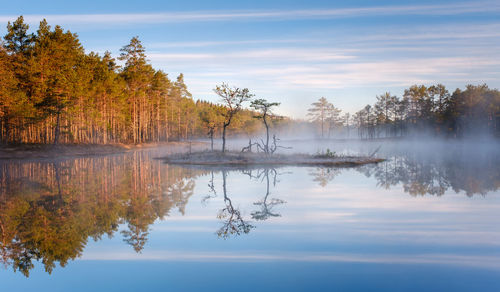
293	51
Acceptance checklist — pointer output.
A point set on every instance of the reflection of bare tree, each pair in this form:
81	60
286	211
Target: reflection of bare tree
212	192
267	204
324	175
233	222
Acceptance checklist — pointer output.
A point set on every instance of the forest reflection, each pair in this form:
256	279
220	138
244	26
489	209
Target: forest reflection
49	210
419	174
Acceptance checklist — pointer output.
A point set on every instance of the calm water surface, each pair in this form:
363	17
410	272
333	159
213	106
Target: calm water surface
422	221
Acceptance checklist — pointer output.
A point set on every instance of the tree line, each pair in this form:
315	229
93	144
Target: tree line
52	91
430	110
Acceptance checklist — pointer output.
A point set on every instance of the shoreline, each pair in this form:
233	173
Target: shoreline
51	151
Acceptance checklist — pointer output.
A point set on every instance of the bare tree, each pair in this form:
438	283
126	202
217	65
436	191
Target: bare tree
233	99
264	107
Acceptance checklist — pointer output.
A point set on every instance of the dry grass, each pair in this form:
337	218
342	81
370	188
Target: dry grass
237	158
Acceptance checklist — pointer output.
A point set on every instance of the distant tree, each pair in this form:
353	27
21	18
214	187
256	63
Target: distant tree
346	120
264	108
401	109
319	112
232	99
475	110
368	121
420	105
385	110
441	97
332	118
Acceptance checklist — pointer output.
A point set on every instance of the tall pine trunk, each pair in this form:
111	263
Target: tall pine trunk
58	125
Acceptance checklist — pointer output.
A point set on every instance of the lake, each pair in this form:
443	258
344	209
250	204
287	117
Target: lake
424	220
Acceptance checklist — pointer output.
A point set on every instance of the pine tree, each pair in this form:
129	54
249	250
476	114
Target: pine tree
138	75
319	113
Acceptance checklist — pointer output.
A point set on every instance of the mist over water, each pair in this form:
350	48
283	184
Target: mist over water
428	215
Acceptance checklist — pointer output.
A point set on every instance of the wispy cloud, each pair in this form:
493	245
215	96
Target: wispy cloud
274	54
447	259
414	38
273	15
197	44
322	69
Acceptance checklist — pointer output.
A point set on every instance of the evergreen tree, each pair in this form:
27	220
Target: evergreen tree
319	113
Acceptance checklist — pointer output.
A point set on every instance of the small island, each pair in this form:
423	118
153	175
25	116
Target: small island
233	99
212	158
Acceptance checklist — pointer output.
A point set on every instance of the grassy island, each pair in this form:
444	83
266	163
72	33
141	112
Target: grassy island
248	158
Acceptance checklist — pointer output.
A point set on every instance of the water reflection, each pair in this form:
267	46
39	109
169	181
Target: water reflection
49	210
266	204
233	221
422	174
324	175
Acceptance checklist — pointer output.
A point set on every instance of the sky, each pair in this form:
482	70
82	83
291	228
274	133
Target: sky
293	52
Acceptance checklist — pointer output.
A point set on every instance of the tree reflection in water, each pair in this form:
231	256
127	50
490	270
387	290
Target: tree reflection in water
233	222
435	173
212	192
324	175
267	204
48	210
430	170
